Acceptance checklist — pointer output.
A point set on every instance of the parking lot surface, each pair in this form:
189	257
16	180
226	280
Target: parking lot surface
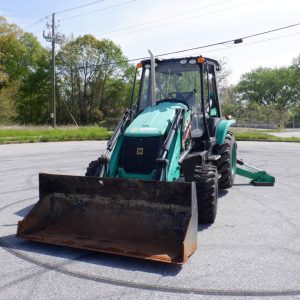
252	249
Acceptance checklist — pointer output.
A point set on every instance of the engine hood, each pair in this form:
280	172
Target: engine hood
154	120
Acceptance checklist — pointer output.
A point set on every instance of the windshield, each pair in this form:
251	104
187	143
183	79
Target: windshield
176	80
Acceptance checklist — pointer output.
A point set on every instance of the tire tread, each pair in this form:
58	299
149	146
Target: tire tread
207	192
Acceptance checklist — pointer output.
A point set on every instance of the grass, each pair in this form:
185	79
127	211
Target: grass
47	134
261	135
65	133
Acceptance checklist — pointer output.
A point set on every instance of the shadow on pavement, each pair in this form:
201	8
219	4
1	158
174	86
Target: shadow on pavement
36	252
222	193
202	227
24	211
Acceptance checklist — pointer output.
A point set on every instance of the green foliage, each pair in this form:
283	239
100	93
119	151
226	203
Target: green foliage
24	84
230	102
7	105
9	34
296	111
224	73
296	68
94	80
19	51
251	112
267	86
33	99
264	95
94	84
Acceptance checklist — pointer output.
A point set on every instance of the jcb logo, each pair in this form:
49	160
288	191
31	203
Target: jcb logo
139	151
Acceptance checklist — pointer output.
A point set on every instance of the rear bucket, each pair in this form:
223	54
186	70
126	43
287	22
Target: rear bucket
147	219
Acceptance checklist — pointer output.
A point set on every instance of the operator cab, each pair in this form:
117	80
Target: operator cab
191	81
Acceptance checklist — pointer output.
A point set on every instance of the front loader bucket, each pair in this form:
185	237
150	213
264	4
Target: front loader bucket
147	219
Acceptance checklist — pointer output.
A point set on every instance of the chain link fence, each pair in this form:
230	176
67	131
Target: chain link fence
294	123
291	124
255	125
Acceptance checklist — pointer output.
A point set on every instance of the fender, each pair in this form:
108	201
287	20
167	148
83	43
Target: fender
222	130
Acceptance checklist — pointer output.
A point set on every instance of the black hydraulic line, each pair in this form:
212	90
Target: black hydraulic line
162	161
104	158
172	132
111	143
183	155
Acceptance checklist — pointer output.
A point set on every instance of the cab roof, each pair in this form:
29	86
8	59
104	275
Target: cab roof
208	60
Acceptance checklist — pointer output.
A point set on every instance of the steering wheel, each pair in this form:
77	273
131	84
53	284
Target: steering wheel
182	96
172	95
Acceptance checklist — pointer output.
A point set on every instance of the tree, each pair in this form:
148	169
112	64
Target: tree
267	86
231	103
19	51
223	74
269	94
93	78
21	56
296	83
8	37
7	104
33	99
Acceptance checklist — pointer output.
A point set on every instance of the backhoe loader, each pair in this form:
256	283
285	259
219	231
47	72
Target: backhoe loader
159	176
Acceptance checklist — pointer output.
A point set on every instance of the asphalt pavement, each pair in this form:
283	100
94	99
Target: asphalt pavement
251	251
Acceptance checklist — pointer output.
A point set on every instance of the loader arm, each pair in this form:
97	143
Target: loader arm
114	141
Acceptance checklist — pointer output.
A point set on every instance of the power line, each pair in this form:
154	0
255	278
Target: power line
97	10
64	11
167	17
185	19
257	42
224	42
36	22
234	41
136	25
78	7
272	30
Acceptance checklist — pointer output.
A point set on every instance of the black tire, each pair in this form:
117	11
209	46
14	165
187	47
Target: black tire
206	178
226	165
94	168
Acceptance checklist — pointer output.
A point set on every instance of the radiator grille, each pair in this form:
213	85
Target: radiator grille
138	155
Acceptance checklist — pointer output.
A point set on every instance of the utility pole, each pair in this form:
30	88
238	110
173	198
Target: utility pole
54	38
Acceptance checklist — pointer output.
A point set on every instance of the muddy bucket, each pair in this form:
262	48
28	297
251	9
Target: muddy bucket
147	219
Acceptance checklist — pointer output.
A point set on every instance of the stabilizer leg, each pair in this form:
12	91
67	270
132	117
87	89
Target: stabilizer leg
259	177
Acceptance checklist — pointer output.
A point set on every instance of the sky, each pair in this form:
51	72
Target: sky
171	25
